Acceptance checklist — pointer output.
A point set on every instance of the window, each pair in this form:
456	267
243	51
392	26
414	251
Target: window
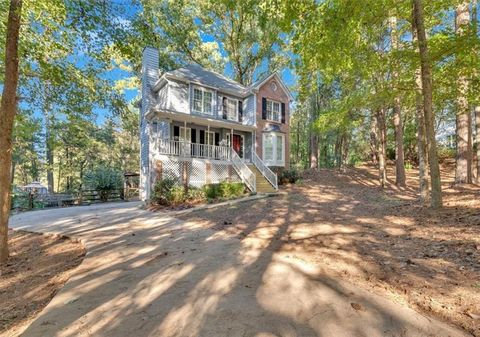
273	111
274	149
268	148
279	147
202	101
232	109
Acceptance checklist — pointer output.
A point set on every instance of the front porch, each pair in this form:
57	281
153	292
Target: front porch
197	154
195	140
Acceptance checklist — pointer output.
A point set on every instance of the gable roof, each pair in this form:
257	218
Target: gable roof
257	84
197	74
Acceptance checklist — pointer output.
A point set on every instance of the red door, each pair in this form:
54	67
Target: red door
237	145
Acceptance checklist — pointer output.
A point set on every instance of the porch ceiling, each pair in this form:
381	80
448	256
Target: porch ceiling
175	116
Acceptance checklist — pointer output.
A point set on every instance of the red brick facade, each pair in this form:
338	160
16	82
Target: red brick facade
279	95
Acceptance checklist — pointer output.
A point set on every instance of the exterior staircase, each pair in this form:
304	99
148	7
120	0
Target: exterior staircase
263	185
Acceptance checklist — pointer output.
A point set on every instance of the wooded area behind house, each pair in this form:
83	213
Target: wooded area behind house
379	81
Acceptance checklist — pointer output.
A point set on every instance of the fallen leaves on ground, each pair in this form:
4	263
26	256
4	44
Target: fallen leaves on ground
382	240
38	267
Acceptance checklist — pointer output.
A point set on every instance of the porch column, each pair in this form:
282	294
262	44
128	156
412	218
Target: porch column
209	149
185	146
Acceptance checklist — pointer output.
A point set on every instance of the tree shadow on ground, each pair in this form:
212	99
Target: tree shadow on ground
238	271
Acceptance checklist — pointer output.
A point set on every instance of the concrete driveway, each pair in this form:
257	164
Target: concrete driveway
151	275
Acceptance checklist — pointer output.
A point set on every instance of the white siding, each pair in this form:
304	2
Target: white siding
249	110
149	77
162	98
178	95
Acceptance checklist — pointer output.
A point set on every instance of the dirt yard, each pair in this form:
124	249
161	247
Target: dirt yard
380	240
38	267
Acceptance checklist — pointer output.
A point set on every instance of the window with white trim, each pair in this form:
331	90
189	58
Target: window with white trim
232	109
202	101
274	149
273	111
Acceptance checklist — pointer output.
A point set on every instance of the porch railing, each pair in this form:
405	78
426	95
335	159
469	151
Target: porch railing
187	149
248	177
265	170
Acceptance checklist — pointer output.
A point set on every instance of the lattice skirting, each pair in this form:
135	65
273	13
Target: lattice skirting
193	172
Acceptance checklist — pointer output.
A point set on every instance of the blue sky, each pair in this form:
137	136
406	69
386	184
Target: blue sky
117	74
127	13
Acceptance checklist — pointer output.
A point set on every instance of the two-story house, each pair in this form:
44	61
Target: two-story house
200	127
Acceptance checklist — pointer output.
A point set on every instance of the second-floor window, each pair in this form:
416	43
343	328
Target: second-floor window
232	109
273	111
202	101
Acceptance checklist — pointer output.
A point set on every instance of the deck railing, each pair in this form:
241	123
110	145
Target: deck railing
265	170
187	149
248	177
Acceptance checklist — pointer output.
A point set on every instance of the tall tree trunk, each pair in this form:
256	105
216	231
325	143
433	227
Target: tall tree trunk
374	140
400	179
382	146
313	150
463	167
427	90
477	140
49	144
421	140
476	169
345	148
8	109
298	142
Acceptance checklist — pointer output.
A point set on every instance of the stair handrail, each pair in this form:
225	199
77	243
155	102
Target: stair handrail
247	176
265	170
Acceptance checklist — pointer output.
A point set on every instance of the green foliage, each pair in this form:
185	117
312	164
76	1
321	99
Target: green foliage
224	190
195	195
105	180
348	68
162	191
445	153
168	192
176	195
288	176
22	200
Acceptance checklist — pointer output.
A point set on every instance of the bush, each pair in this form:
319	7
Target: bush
22	200
162	191
212	191
104	180
177	195
196	195
232	190
224	190
169	193
288	176
445	153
